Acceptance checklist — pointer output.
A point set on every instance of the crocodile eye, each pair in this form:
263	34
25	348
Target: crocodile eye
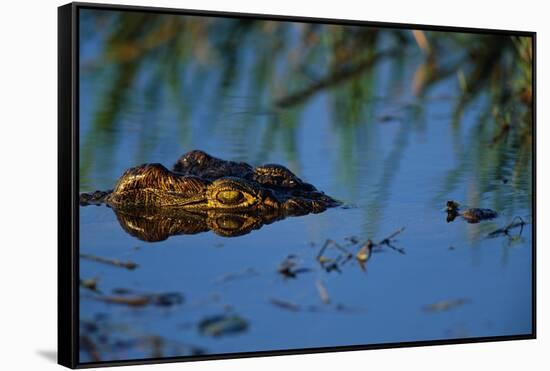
230	197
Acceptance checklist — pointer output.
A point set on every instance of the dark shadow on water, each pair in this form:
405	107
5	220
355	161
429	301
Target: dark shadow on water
50	355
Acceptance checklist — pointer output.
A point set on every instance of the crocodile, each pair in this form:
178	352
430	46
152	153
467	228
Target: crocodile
471	215
203	192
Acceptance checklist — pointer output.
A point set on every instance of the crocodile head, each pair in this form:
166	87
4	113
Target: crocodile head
203	182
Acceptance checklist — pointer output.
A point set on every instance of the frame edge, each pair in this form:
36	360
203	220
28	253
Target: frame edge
68	176
293	18
66	278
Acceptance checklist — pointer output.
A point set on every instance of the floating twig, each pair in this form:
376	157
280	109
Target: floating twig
352	239
323	292
320	257
141	300
505	230
131	301
333	264
388	241
340	247
285	305
117	263
362	256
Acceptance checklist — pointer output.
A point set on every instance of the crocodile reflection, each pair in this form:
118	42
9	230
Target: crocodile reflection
151	226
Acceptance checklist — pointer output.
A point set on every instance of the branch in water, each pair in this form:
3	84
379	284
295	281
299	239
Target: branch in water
388	241
117	263
505	230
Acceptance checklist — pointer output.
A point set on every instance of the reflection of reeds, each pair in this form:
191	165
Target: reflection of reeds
198	62
334	78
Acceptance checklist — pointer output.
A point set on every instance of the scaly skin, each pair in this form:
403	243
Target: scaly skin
225	196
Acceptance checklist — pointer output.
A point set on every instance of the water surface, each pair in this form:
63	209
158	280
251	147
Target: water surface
392	154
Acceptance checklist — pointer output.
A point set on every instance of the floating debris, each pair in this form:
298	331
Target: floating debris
504	231
102	339
445	305
115	262
220	325
90	284
129	298
326	307
362	256
323	292
168	299
388	241
131	301
346	252
286	305
288	267
353	239
330	264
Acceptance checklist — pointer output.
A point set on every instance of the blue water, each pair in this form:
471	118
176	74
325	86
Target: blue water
391	173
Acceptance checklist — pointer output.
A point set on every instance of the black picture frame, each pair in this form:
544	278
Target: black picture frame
68	183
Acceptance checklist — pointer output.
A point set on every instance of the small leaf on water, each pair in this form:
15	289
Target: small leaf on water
364	252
